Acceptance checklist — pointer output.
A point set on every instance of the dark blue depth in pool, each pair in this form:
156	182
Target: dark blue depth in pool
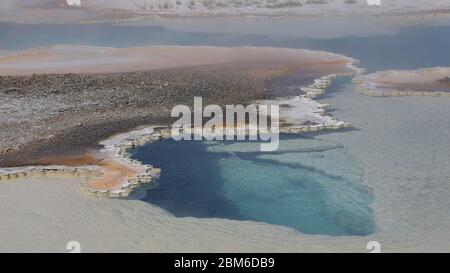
290	187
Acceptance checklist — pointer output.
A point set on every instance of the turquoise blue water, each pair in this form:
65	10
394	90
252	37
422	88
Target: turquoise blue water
310	185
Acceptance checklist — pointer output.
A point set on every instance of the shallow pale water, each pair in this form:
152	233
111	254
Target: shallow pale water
402	144
407	48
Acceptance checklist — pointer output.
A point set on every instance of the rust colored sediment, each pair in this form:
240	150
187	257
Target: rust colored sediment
113	172
69	160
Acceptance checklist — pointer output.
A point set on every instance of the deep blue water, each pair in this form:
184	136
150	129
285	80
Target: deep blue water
308	185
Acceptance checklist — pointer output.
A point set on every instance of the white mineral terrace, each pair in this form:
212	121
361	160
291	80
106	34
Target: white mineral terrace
420	82
111	171
96	178
318	87
7	174
301	114
117	174
119	148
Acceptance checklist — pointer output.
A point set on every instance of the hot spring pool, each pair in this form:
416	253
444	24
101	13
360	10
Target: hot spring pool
309	184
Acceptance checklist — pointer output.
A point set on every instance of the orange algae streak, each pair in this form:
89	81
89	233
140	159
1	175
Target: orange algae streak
112	172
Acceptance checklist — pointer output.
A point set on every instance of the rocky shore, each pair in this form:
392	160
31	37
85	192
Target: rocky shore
302	114
113	173
304	118
52	112
95	174
119	148
68	112
52	119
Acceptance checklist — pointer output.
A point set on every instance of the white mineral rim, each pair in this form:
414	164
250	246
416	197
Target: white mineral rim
74	3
